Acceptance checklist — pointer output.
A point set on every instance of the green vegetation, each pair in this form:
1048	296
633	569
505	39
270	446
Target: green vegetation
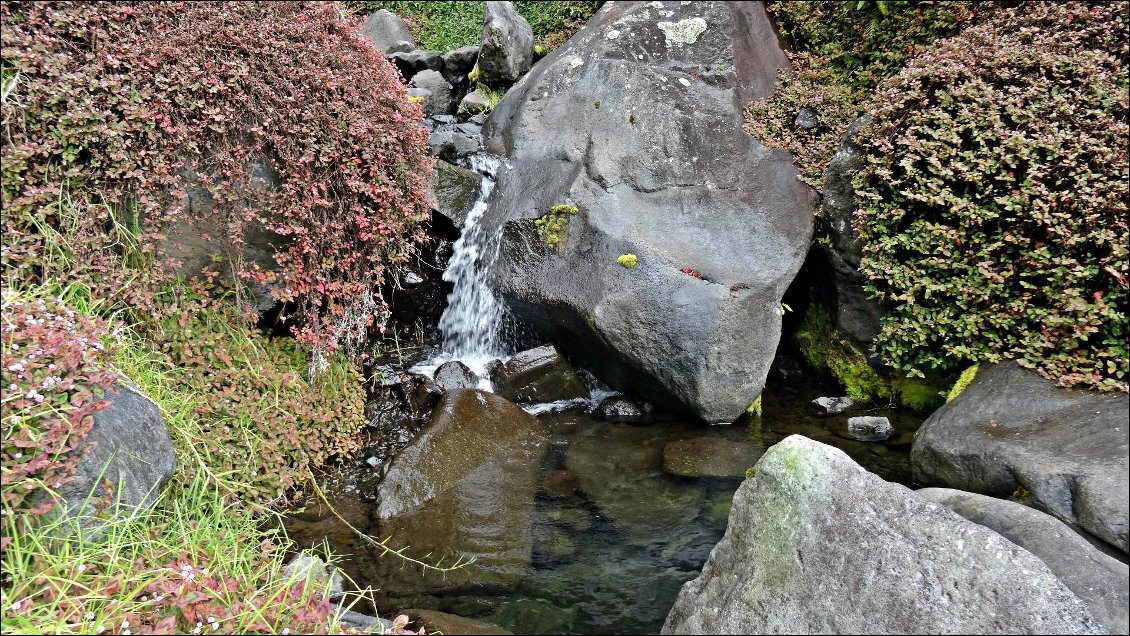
553	226
443	26
993	211
754	408
963	381
627	260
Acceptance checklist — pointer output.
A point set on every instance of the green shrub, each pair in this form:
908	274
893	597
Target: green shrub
994	198
107	106
447	25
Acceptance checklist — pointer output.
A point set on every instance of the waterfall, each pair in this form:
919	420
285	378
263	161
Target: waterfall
470	324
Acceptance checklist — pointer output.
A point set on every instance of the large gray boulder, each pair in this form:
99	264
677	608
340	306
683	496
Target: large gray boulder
816	544
388	31
506	49
1100	580
465	486
440	101
1013	431
459	62
637	121
129	447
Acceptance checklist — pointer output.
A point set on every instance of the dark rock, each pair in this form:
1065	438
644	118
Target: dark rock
620	471
197	242
709	457
363	622
474	103
538	375
458	63
665	149
440	101
1012	429
441	622
388	31
558	484
455	191
806	119
464	486
479	118
621	409
470	128
1100	580
455	375
869	429
857	314
451	145
576	520
507	44
832	405
411	63
816	544
445	119
129	447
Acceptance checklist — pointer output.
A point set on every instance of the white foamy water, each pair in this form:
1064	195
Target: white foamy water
470	324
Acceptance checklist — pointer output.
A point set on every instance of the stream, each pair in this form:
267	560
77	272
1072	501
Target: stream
588	527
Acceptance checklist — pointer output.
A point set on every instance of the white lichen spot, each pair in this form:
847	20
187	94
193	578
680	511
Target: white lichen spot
613	34
683	31
684	81
575	62
640	57
655	5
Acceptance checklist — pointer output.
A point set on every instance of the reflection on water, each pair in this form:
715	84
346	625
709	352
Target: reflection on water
605	536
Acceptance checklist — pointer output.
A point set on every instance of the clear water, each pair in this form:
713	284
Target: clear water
611	548
471	322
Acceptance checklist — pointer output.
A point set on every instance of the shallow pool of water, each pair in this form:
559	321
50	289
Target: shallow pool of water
611	533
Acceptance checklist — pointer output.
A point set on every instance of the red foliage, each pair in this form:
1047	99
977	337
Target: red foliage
692	272
116	105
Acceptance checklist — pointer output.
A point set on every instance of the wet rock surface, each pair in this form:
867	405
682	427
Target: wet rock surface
537	375
622	409
709	457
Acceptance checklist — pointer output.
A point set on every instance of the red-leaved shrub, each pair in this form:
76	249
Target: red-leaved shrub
109	107
54	372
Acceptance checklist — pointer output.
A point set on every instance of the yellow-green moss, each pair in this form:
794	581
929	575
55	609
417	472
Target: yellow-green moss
627	260
553	226
963	381
918	394
474	75
754	408
824	348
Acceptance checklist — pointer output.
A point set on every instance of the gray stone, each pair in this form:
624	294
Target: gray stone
474	103
465	486
832	405
459	62
444	623
455	375
364	623
452	145
388	31
620	471
869	429
621	409
506	48
857	314
662	170
440	101
709	457
806	119
411	63
470	128
1012	429
455	191
816	544
538	375
1100	580
129	447
445	119
307	566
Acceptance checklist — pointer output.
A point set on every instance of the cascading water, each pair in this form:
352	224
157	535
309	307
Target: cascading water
471	322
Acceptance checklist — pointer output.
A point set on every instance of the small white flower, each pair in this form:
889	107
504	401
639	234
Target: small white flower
101	628
81	567
89	616
17	455
286	630
16	606
125	624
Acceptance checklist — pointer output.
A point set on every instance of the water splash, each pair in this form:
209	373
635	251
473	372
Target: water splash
472	320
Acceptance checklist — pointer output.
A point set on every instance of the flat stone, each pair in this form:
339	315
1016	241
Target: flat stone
832	405
869	429
709	457
442	622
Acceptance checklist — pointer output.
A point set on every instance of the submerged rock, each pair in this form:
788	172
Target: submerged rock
537	375
869	429
1012	431
621	472
444	623
832	405
709	457
816	544
465	486
621	409
642	132
1100	580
